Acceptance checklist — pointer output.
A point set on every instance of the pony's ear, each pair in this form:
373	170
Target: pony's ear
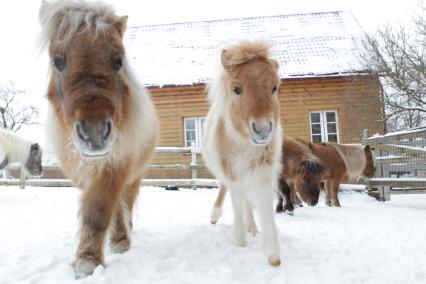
225	59
274	64
35	148
121	25
43	8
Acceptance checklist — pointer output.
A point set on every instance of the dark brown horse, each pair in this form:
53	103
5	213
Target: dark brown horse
102	122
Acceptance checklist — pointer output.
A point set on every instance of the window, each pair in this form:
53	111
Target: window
324	126
194	127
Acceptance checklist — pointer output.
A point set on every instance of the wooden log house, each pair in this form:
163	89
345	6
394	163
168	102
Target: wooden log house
325	94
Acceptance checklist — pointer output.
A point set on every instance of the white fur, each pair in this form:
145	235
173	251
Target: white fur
253	185
63	26
14	147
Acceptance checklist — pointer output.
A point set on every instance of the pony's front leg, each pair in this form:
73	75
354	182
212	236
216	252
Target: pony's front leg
122	224
265	208
238	230
250	223
97	209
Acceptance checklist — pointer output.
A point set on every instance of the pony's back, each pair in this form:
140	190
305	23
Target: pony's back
16	148
354	158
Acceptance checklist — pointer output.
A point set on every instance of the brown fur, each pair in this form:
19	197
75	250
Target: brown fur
335	158
89	89
301	170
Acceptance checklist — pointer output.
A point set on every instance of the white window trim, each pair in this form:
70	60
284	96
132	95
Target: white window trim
323	124
198	123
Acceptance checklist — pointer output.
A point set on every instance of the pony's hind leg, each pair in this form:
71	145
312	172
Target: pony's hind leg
265	209
218	205
327	189
238	205
122	225
98	205
334	188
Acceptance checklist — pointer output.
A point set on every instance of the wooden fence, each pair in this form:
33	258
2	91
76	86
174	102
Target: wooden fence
400	162
193	182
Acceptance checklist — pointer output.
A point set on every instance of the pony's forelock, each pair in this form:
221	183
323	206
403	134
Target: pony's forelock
244	51
61	20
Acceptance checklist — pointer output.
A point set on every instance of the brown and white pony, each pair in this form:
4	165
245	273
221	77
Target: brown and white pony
343	163
102	122
301	173
243	137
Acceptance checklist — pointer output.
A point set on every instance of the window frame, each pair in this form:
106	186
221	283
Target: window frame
199	122
323	125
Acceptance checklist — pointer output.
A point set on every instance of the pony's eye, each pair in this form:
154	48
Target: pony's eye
237	90
117	63
59	63
274	89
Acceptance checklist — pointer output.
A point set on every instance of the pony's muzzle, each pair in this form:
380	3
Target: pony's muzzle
261	132
93	139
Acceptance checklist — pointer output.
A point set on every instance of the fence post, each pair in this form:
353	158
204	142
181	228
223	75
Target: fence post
22	179
193	164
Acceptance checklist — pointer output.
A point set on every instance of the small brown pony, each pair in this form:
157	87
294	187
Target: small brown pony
102	122
301	173
342	163
243	138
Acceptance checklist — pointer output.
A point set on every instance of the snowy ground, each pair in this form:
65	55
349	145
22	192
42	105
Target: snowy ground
173	242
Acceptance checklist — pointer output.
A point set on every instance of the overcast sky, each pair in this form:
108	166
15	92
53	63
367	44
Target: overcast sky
19	25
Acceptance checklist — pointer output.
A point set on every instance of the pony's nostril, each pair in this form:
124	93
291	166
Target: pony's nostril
253	125
80	131
107	130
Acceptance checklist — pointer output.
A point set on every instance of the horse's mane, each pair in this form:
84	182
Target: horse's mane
235	54
61	20
353	156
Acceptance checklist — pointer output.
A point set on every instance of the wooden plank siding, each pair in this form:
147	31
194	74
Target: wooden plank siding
355	98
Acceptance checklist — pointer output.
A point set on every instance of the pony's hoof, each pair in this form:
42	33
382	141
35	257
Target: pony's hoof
120	247
216	213
336	204
291	213
274	260
84	267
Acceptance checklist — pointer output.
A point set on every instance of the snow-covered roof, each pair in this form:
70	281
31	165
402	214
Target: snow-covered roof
314	44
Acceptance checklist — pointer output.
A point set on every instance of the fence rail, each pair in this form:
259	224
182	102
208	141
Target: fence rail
400	162
193	182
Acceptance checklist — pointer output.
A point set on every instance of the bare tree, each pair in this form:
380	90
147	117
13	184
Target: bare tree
15	111
399	57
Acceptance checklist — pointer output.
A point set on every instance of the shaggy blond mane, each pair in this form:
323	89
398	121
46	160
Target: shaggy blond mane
61	20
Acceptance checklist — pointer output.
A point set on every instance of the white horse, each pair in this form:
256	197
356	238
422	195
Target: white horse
243	139
16	150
